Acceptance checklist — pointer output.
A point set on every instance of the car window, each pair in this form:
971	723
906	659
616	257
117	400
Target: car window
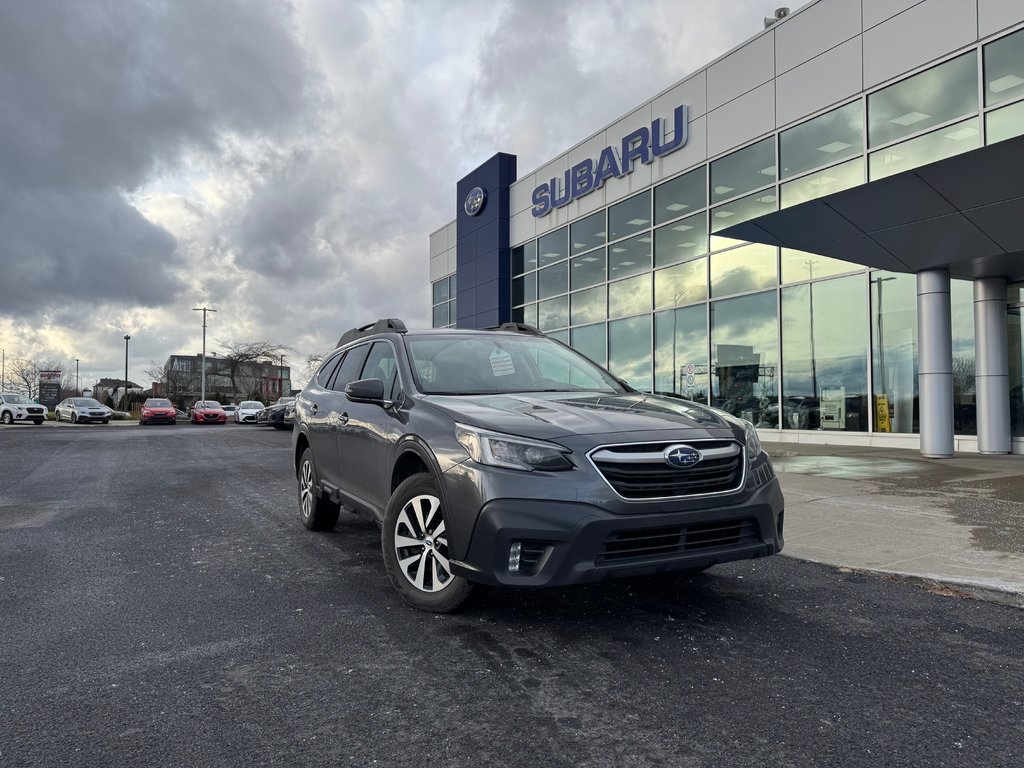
350	367
323	376
381	364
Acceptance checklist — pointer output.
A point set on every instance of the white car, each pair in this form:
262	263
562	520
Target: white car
82	409
247	410
15	407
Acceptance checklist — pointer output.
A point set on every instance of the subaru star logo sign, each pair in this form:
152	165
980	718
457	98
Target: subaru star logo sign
681	456
474	201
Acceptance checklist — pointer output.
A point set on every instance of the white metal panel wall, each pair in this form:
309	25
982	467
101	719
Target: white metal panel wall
832	77
815	30
742	70
877	11
995	15
918	35
695	152
521	227
521	194
742	119
640	178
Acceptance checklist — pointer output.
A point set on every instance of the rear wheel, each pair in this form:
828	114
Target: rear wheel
415	547
317	513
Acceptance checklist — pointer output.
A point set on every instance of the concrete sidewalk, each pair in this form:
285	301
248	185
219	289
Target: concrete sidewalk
956	521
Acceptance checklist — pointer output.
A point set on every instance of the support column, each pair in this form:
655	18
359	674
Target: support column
935	364
991	365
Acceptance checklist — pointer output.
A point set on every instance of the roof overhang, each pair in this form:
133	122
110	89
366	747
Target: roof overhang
964	213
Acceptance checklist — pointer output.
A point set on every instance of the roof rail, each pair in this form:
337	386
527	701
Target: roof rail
383	325
517	328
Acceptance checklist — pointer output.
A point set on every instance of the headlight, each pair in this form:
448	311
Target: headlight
753	441
512	452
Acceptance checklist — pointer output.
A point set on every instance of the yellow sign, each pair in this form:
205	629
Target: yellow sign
882	423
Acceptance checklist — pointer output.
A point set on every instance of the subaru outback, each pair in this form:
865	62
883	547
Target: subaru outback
506	458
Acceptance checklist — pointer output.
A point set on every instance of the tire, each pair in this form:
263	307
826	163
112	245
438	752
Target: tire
173	422
56	416
104	421
74	418
7	418
38	422
419	571
316	512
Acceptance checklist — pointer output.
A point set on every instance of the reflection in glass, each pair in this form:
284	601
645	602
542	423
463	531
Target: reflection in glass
589	306
553	247
562	335
629	351
798	266
629	297
589	340
824	182
587	233
552	281
934	96
524	257
681	241
682	284
440	289
894	351
750	268
1004	69
529	315
588	269
453	316
629	257
553	313
1015	349
945	142
681	352
529	285
744	357
441	315
1005	123
745	208
743	170
965	412
825	140
825	356
629	216
680	196
719	243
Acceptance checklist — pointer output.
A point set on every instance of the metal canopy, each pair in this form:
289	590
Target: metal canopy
964	213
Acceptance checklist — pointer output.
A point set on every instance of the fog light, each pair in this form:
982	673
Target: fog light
514	554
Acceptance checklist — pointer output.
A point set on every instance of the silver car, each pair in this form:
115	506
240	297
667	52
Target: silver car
78	410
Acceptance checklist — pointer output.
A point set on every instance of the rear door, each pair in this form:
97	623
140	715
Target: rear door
333	414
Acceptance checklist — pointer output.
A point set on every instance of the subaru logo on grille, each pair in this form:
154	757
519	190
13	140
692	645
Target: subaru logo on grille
681	456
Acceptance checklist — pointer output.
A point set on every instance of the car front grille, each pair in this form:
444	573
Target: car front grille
651	543
639	471
35	411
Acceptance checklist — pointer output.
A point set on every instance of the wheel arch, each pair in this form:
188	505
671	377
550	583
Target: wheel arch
301	444
412	458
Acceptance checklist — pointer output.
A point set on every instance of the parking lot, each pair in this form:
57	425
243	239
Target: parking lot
161	604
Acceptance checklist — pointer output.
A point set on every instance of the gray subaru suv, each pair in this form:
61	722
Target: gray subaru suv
504	457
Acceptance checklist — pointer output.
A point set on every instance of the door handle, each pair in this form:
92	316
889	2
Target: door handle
314	408
343	419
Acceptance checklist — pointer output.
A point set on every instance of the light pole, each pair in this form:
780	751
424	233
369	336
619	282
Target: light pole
280	382
124	397
3	368
78	383
204	310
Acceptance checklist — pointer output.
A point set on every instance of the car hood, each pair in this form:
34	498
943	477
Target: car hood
553	415
209	410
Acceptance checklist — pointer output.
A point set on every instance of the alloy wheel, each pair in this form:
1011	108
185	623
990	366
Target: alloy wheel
421	544
306	490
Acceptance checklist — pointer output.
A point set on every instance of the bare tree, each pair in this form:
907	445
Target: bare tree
23	375
243	364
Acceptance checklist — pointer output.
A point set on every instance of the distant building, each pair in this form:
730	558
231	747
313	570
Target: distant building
114	389
225	378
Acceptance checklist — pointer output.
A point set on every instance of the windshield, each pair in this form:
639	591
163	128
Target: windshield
207	404
87	402
17	399
251	404
477	364
156	402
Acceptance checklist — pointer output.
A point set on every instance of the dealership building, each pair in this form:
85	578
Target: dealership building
821	231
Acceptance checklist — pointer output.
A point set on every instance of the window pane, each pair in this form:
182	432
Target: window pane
440	289
1004	69
529	287
552	281
680	196
965	415
945	142
589	306
825	140
588	269
1004	123
682	284
553	247
743	209
894	350
824	182
744	339
441	315
926	99
681	352
798	266
588	233
629	297
553	313
1015	351
629	257
453	316
629	216
750	268
746	169
825	356
517	291
524	257
684	240
530	314
629	351
562	336
590	341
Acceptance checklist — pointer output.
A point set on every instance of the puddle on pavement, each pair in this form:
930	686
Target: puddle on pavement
848	467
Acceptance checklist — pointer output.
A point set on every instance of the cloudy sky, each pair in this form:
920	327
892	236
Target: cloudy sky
284	161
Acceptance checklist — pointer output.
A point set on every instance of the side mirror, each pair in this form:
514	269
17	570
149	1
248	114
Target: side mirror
365	391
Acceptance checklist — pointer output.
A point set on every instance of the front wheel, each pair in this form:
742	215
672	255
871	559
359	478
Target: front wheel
7	418
414	541
38	422
104	421
74	418
317	513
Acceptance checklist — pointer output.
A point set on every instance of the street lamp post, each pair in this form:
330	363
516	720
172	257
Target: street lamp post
78	382
3	368
204	310
124	397
280	382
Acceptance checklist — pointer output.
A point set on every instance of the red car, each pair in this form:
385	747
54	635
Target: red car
158	410
208	412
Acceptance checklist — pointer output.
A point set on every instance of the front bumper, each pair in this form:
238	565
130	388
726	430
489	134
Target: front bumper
565	542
